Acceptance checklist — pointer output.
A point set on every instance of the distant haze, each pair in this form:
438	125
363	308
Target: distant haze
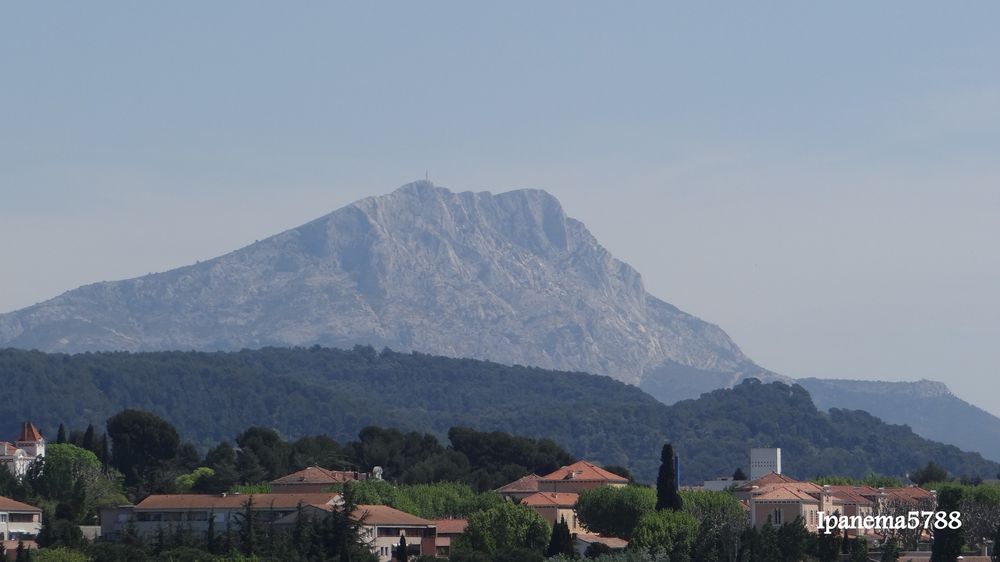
821	182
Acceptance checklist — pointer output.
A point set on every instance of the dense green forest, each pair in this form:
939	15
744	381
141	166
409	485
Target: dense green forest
211	397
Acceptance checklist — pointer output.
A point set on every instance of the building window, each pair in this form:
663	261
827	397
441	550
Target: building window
776	519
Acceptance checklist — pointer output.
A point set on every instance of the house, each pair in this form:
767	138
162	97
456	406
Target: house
21	454
381	526
554	506
581	475
447	531
19	521
520	488
776	499
313	479
193	511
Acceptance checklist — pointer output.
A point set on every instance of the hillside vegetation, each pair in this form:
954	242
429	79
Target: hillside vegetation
298	392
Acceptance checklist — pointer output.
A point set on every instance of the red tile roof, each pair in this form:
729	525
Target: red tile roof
451	526
7	504
527	483
385	515
233	501
584	470
316	475
851	495
550	499
7	449
29	432
784	493
767	479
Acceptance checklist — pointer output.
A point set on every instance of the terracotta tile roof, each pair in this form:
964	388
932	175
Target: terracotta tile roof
527	483
612	542
583	470
451	526
550	499
785	493
7	504
316	475
767	479
852	495
233	501
385	515
29	432
7	449
909	494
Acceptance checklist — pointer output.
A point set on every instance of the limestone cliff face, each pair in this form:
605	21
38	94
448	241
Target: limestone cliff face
505	277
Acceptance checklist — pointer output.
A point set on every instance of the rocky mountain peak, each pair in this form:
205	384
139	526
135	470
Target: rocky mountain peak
507	277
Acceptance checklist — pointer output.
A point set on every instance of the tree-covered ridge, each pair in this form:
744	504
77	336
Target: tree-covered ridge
210	397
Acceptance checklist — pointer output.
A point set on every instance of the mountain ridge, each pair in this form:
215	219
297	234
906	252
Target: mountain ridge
506	277
423	268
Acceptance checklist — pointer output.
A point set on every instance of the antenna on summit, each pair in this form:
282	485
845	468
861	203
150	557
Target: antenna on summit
427	176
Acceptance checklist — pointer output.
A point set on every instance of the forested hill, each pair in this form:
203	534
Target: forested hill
213	396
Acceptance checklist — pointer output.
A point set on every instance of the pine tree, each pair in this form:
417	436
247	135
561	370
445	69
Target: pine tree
739	474
61	436
561	541
667	496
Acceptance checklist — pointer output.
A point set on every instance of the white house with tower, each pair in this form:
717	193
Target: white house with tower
22	453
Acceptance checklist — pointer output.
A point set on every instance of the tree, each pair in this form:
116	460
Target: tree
506	526
561	542
666	482
859	550
61	435
73	477
948	542
614	512
89	443
141	444
793	540
399	553
739	474
930	472
891	551
668	532
249	531
721	523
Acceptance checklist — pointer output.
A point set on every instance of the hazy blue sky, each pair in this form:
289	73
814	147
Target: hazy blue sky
823	181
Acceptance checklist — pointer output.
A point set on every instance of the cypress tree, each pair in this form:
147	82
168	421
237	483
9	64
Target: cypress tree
739	474
666	482
400	550
88	439
561	541
61	436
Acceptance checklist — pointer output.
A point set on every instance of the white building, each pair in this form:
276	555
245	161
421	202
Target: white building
764	462
20	455
19	521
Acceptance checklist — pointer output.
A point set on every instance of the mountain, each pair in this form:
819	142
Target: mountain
506	277
309	391
926	406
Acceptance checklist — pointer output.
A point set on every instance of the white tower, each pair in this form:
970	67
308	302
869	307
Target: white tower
764	462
